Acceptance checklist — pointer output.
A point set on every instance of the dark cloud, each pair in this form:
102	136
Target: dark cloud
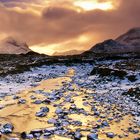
59	24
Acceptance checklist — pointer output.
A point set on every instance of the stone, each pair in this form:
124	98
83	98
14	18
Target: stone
105	123
21	101
92	136
110	135
15	97
36	133
32	97
23	135
7	128
43	112
77	136
52	121
37	102
58	111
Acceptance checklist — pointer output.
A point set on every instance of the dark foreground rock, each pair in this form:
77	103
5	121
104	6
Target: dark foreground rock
104	71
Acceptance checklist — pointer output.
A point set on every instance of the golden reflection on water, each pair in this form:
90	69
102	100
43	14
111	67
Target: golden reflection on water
22	116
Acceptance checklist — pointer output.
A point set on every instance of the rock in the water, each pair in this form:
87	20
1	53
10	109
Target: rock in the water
21	101
110	135
43	112
7	128
92	136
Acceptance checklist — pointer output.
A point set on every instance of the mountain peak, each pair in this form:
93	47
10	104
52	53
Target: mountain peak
108	46
10	45
131	38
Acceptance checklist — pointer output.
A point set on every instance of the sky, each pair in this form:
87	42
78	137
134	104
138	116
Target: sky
48	26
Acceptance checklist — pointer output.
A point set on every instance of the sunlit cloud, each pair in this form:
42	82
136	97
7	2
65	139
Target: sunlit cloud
91	5
56	25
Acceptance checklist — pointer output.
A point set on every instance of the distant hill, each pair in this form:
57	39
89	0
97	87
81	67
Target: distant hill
12	46
126	43
131	38
71	52
110	46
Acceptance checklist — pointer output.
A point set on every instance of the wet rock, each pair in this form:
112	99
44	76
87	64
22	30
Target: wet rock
47	134
52	121
43	112
77	123
21	101
1	107
77	136
137	138
36	133
92	136
32	97
110	135
37	102
29	136
23	135
46	101
104	123
97	113
50	130
15	97
58	111
7	128
134	131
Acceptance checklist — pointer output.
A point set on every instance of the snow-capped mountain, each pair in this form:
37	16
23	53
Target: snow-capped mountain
12	46
110	46
131	38
126	43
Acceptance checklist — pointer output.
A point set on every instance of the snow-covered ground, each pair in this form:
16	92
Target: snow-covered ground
89	96
13	84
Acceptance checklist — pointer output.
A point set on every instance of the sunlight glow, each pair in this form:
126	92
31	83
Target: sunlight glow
91	5
43	49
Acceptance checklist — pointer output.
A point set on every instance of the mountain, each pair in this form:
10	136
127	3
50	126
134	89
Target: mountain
126	43
110	46
131	38
12	46
71	52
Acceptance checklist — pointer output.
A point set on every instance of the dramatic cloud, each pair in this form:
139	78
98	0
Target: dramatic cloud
62	24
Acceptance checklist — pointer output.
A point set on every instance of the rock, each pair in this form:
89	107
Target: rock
47	134
46	101
58	111
21	101
77	123
23	135
1	107
97	113
110	135
105	123
37	102
7	128
32	97
134	131
92	136
137	138
52	121
29	136
43	112
105	71
15	97
77	136
36	133
132	78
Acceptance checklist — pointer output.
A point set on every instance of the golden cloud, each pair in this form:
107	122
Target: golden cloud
65	24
